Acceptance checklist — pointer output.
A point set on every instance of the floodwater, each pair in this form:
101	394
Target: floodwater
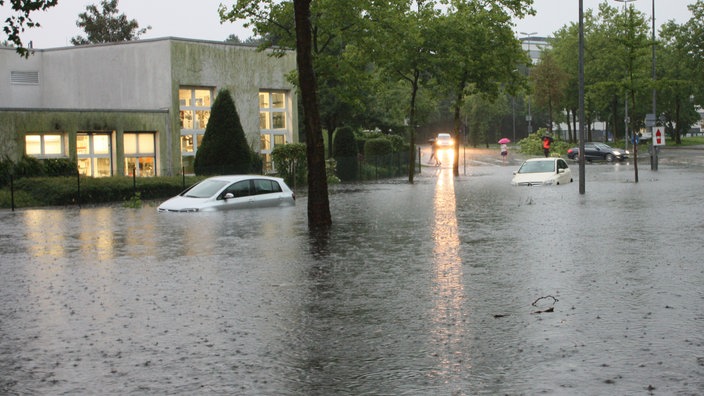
449	286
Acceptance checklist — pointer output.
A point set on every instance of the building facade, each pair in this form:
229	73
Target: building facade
140	107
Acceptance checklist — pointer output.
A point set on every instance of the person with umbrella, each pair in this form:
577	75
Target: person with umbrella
433	153
504	148
547	141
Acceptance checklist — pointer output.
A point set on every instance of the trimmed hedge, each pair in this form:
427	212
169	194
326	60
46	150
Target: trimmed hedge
58	191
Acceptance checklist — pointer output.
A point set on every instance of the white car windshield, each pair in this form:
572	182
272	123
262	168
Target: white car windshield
205	189
537	167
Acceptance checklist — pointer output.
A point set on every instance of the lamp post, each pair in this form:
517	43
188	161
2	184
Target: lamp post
529	117
654	160
582	171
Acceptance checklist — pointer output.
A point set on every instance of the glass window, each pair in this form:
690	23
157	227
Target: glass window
202	97
263	99
239	189
277	100
265	142
203	116
44	145
101	144
186	119
262	186
94	154
184	97
279	120
82	145
264	120
52	144
140	156
273	124
187	143
33	144
130	142
146	142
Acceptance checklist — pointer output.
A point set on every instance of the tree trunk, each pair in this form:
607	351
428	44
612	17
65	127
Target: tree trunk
318	203
412	128
458	105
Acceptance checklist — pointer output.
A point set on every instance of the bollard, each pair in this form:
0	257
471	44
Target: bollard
78	187
12	192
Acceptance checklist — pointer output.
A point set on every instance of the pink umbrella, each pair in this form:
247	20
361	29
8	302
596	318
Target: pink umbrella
504	141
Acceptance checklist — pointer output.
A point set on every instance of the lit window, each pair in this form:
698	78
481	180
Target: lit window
273	125
94	154
140	157
194	114
45	145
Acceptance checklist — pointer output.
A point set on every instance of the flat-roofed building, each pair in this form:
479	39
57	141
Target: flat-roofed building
140	106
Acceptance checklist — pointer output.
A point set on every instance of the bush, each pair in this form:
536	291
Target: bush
290	162
224	149
28	167
345	153
377	147
54	191
533	145
60	167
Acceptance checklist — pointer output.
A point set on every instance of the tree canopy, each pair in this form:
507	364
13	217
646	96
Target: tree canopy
106	25
20	19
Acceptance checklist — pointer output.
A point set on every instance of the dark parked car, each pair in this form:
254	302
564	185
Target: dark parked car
595	151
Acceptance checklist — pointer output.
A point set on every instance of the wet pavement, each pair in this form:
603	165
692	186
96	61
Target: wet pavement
449	286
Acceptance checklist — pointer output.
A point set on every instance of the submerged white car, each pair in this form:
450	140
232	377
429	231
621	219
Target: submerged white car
542	172
231	192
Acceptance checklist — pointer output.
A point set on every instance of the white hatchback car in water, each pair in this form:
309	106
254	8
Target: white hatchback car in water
542	172
231	192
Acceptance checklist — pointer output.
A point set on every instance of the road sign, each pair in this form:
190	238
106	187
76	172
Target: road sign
659	136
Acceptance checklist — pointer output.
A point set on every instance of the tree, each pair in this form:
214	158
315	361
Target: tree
342	78
19	20
678	69
318	202
481	57
224	148
293	27
106	26
345	152
550	81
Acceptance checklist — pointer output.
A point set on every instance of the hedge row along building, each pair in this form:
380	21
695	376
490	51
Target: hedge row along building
140	107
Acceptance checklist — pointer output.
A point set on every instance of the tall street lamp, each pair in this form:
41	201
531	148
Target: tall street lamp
582	171
529	117
654	160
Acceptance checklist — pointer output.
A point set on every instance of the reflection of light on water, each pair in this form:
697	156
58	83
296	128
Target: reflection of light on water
449	290
446	155
43	235
97	241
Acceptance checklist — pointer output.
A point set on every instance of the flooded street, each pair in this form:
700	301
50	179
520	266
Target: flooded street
449	286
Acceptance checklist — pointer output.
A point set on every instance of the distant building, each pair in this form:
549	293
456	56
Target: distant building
140	106
533	45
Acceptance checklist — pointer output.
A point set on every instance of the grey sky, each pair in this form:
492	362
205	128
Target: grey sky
553	14
199	19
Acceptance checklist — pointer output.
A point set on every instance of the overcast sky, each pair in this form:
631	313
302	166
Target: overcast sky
198	19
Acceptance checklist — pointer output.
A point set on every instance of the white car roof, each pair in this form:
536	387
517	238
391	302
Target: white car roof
234	178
